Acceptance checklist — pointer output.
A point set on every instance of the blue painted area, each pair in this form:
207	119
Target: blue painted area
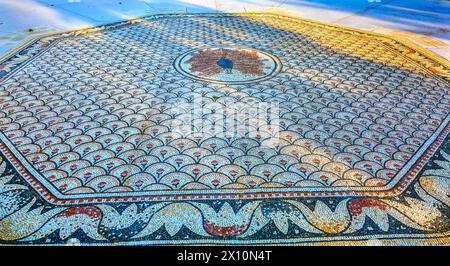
415	15
226	64
104	11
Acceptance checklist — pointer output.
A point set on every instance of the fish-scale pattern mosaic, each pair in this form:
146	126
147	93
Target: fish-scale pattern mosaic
93	113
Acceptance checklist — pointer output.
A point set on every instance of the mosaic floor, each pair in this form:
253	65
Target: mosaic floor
213	129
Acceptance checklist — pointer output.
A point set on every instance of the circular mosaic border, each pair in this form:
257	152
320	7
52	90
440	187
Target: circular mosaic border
275	71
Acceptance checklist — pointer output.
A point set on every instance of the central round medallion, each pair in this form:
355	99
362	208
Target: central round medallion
228	65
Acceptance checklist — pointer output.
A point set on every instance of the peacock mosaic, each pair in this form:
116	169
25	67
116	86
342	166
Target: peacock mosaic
228	65
223	128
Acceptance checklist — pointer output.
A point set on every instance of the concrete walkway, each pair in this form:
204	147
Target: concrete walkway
424	22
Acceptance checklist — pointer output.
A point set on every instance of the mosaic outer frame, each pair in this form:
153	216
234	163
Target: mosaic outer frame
342	218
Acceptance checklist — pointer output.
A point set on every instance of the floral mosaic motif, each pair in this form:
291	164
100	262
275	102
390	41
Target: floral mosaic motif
211	62
88	151
228	65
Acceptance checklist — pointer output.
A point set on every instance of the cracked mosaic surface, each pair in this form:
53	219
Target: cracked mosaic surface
87	121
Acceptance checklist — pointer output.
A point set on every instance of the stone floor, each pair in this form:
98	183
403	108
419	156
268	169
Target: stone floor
223	128
424	22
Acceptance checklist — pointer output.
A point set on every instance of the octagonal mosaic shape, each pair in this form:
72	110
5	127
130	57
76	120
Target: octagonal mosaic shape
83	115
